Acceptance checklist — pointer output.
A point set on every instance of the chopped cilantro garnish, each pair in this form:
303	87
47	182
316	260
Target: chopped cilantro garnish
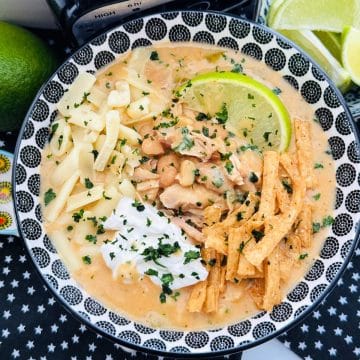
138	205
191	255
154	56
287	186
86	259
303	256
253	177
151	272
316	227
258	235
78	215
49	196
229	166
318	166
317	196
88	183
222	115
91	238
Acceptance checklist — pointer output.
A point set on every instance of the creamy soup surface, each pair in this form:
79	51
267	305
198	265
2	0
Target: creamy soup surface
79	232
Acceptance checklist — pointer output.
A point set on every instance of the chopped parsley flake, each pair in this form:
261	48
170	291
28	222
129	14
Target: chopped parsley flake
258	235
303	256
88	183
49	196
138	205
154	56
191	255
318	166
91	238
151	272
86	259
316	197
78	215
253	177
222	115
287	186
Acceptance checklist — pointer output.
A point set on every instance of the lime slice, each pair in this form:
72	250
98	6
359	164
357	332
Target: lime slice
351	53
332	41
308	41
255	112
324	15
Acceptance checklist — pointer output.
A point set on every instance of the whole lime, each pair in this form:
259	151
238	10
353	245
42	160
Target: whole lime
25	63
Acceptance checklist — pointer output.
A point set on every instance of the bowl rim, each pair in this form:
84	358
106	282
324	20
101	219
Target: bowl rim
235	349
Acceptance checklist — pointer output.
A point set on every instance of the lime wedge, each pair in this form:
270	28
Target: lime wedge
254	111
324	15
308	41
274	6
332	41
351	53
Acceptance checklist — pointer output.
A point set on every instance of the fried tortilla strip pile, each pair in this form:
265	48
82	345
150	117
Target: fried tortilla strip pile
261	239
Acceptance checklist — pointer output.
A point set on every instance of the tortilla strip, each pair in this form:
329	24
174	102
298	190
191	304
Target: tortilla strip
197	297
256	289
216	238
246	269
272	295
236	237
246	210
270	175
222	286
212	214
213	289
282	197
304	152
289	254
304	229
280	226
288	163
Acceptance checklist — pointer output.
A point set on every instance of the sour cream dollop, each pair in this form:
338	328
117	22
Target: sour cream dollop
149	241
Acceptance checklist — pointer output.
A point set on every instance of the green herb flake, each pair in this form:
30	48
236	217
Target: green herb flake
316	227
317	196
78	215
86	259
287	186
49	196
88	183
253	177
148	222
151	272
191	255
318	166
91	238
229	166
327	221
303	256
258	235
154	56
222	115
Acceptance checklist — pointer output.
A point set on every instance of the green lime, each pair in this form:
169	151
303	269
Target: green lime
324	15
274	6
351	53
25	63
332	41
254	111
309	42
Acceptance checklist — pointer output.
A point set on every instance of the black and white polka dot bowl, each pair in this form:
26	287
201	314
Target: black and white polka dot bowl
302	73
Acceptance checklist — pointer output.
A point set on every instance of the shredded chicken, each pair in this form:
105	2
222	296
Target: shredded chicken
213	177
191	231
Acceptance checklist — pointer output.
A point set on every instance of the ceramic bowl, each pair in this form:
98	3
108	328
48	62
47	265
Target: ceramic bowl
304	75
